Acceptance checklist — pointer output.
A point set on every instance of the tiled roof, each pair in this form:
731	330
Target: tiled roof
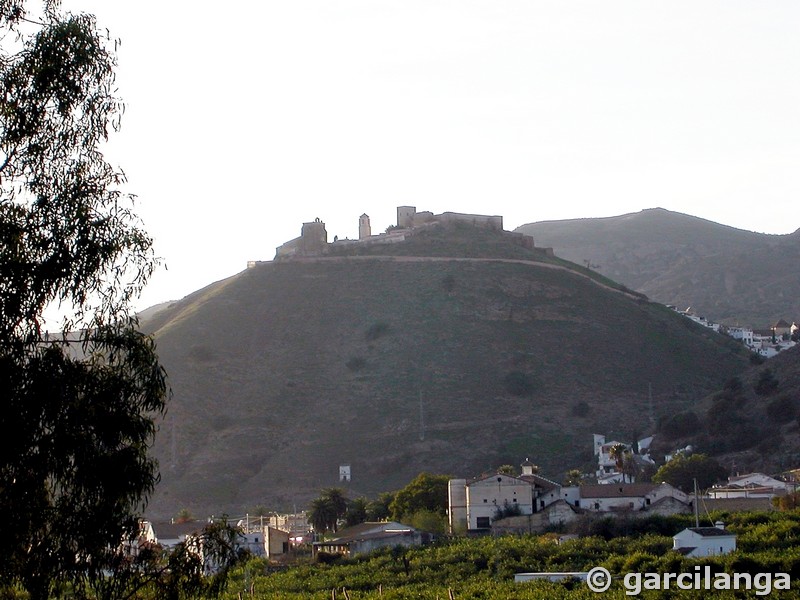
540	481
617	490
174	531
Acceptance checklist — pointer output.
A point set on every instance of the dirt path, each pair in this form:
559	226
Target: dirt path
516	261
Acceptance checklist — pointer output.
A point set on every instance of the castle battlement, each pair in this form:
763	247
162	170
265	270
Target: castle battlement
313	240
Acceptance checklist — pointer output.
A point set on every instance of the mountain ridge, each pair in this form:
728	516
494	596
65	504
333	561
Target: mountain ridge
730	275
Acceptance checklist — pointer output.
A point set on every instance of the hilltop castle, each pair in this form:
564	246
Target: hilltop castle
313	240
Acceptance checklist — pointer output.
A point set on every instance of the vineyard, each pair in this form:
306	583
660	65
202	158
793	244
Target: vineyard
484	568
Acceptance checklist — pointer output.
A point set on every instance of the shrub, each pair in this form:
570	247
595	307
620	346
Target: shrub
767	383
679	425
376	330
356	363
518	383
781	410
580	409
507	510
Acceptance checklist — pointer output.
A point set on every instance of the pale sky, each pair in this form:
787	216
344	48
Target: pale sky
245	119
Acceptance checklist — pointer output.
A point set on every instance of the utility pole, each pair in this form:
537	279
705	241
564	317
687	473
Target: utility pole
421	418
173	446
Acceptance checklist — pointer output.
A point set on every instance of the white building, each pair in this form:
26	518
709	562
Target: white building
630	497
743	334
367	537
752	485
475	504
488	496
696	542
296	523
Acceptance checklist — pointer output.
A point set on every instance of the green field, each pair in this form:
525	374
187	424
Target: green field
484	568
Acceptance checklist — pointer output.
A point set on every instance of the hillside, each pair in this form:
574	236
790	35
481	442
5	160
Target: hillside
751	424
399	364
726	274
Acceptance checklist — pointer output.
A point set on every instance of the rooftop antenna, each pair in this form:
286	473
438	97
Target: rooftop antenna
696	506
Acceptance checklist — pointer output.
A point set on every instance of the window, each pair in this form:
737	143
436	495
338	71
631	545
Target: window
483	522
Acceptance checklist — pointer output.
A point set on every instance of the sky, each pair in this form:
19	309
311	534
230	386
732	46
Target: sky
245	119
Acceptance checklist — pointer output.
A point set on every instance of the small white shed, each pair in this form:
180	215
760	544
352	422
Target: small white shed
695	542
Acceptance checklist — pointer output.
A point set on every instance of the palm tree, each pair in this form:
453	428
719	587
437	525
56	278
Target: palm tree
617	453
326	510
335	497
629	466
321	515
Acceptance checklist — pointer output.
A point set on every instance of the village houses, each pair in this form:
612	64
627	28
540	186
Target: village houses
531	502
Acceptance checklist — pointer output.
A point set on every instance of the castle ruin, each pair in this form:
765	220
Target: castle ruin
313	240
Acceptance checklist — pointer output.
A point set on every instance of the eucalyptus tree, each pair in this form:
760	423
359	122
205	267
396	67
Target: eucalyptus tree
79	396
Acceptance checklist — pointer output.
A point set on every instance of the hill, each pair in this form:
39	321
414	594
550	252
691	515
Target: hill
728	275
424	360
751	424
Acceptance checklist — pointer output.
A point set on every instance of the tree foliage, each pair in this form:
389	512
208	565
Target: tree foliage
79	400
681	472
424	492
378	509
356	512
327	510
197	567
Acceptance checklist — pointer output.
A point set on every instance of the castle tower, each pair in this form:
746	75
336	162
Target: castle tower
364	229
313	238
405	216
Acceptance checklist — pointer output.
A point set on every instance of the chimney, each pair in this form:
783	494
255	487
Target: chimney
528	468
719	525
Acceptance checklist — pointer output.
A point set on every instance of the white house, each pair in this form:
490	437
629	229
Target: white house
276	541
168	534
629	497
252	541
744	334
696	542
608	471
487	496
476	503
752	485
367	537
